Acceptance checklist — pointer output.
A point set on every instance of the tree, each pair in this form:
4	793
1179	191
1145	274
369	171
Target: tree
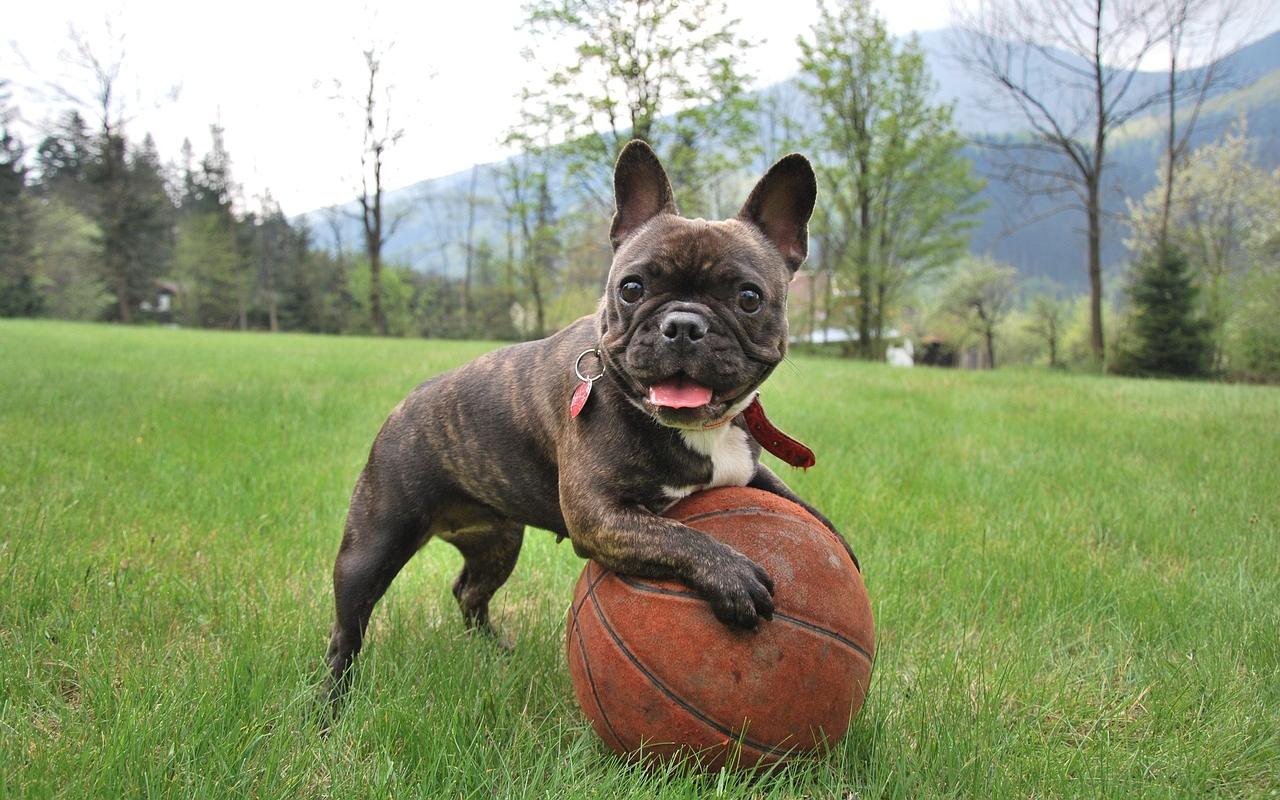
1068	69
899	197
1255	329
275	249
533	228
1168	335
212	269
979	295
62	162
1046	317
380	135
666	71
205	265
1193	31
18	295
1220	203
127	196
66	256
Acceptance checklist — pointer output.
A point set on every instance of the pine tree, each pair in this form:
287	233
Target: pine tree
18	295
1168	336
63	160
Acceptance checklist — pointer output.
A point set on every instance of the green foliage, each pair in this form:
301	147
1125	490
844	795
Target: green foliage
1169	336
1254	333
66	257
207	266
534	228
313	289
397	299
134	216
63	160
666	71
1076	585
979	295
1046	317
1223	208
18	295
897	196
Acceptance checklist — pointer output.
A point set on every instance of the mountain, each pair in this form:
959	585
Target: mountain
1013	228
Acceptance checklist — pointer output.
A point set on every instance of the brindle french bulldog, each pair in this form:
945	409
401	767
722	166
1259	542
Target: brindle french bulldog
692	321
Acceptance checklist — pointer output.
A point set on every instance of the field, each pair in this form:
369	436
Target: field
1076	582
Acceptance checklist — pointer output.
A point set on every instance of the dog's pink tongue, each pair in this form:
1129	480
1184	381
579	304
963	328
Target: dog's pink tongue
679	393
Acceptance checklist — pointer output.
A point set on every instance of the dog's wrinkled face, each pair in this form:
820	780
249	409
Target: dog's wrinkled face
694	314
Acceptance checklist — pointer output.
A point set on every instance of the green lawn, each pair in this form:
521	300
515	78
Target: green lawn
1076	582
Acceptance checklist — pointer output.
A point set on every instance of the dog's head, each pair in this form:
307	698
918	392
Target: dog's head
694	316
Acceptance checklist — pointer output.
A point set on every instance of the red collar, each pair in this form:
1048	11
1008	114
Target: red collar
774	440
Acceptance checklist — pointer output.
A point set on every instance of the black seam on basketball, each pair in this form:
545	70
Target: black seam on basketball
730	512
590	584
660	686
763	512
648	587
586	664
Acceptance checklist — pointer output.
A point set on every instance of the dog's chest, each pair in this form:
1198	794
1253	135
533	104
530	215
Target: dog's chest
730	455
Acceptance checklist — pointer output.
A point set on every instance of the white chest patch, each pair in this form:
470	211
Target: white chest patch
731	462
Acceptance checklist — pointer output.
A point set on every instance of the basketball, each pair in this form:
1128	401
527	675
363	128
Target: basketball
658	675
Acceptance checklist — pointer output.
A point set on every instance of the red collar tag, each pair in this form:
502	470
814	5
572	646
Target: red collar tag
774	440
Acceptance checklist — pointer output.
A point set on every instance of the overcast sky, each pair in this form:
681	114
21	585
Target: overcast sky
265	71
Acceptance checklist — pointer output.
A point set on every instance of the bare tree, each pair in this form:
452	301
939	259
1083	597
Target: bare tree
379	135
1069	69
1194	30
469	264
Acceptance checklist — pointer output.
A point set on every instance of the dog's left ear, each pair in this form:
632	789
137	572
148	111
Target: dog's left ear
780	207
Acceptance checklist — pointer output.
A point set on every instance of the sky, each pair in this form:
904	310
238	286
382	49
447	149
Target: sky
266	72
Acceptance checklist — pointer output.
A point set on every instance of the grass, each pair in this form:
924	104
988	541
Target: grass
1076	582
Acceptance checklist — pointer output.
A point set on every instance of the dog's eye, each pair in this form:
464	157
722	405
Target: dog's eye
749	300
631	291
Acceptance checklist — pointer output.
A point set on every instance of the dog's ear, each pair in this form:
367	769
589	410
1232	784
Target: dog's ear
640	190
781	204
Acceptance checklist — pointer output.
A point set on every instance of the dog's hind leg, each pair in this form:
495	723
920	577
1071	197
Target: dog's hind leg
379	538
489	553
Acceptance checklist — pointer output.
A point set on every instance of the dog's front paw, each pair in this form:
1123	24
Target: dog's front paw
739	590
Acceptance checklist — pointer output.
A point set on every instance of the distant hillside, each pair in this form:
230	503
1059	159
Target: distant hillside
1011	228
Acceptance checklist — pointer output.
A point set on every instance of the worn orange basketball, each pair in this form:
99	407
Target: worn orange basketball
656	672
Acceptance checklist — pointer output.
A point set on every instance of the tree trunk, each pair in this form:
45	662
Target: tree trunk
375	292
471	226
990	336
864	313
864	252
1093	185
122	296
827	290
1095	274
813	304
878	329
1171	150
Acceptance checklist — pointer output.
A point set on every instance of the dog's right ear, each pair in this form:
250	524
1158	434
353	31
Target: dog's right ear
641	191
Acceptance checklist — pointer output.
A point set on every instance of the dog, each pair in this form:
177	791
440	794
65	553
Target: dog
594	431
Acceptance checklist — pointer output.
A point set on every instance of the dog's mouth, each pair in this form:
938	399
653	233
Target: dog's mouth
682	402
679	391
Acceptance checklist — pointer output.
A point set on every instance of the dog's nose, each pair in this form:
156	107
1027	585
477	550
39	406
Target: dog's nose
684	325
